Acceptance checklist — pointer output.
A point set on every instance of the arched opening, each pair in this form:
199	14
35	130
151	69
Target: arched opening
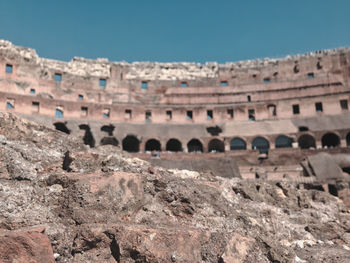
237	144
283	142
152	145
108	128
109	141
306	141
131	144
348	139
216	145
261	144
88	137
194	145
60	126
174	145
330	140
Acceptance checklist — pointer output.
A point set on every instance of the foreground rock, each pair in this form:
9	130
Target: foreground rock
100	205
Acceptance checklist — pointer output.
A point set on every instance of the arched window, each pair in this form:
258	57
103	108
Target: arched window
330	140
283	142
152	145
194	145
237	144
174	145
88	137
261	144
108	129
216	145
60	126
306	141
131	144
109	141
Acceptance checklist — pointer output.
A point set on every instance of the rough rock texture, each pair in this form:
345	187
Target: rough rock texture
30	245
101	205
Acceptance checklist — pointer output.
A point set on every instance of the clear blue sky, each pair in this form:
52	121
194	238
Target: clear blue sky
175	30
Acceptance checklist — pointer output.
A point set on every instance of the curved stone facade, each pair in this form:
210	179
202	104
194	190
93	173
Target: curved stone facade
299	101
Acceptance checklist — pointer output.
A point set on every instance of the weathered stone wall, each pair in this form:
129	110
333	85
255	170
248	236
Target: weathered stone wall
246	99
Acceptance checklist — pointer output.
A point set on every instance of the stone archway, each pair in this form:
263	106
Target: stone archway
131	144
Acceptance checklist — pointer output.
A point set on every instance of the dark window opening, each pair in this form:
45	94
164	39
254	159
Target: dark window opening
88	138
152	145
59	114
189	115
121	76
84	111
32	91
344	104
318	106
249	98
80	97
251	115
174	145
303	128
254	75
108	129
319	66
283	142
169	115
194	145
109	141
306	141
128	114
106	113
296	69
238	144
35	106
216	145
148	116
184	84
348	139
275	74
272	110
296	109
131	144
58	77
103	82
214	131
333	189
261	144
224	83
267	80
310	75
9	68
60	126
342	58
144	85
330	140
210	114
230	113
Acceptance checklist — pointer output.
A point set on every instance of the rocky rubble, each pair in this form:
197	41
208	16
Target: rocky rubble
101	205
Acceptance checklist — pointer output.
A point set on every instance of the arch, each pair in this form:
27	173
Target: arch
60	126
306	141
283	141
348	139
330	140
88	137
109	141
131	144
194	145
238	144
215	145
174	145
109	129
152	145
261	144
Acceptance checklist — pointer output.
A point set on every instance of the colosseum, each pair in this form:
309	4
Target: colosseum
264	113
